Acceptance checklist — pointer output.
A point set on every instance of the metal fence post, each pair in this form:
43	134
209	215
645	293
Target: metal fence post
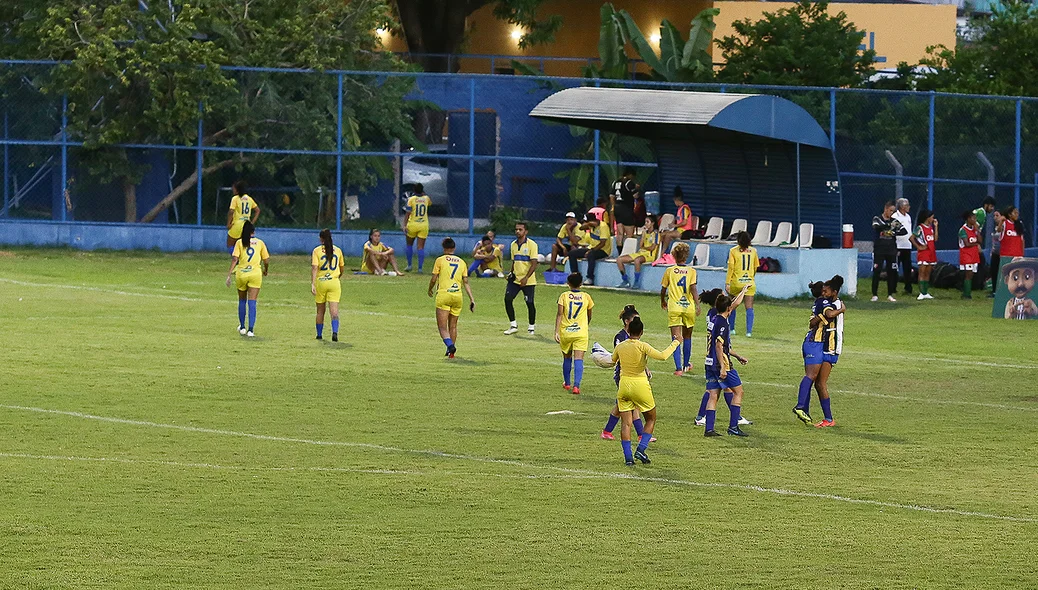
338	163
472	153
1034	209
64	155
1016	177
7	169
832	146
198	166
598	145
930	151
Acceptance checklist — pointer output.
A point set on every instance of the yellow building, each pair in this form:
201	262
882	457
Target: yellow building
898	32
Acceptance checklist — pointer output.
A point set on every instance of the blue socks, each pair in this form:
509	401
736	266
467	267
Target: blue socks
702	404
749	320
643	441
733	420
637	279
686	349
578	371
421	258
677	359
826	410
637	423
335	326
628	455
410	254
711	415
623	277
728	397
448	342
731	321
473	267
611	423
567	365
320	330
252	314
241	312
804	397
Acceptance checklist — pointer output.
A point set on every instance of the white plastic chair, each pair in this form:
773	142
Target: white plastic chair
666	222
762	236
737	226
783	233
630	247
806	237
702	258
713	229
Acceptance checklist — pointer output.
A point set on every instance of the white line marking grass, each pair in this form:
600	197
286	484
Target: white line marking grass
560	412
523	465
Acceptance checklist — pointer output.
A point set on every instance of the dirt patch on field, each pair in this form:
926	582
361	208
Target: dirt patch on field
6	254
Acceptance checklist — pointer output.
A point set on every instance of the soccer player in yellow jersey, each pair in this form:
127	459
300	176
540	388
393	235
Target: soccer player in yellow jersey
522	279
250	262
447	280
325	270
243	208
378	256
678	296
635	391
487	259
416	224
595	245
648	251
571	330
742	267
568	238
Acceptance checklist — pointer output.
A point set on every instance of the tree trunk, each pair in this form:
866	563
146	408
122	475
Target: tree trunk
130	199
436	27
182	188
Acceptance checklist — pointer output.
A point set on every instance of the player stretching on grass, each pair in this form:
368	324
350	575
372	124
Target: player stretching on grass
710	298
628	314
325	270
571	331
832	345
719	371
635	391
677	296
448	275
249	264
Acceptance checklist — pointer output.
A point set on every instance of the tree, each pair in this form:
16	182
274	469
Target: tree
135	74
679	60
799	46
438	26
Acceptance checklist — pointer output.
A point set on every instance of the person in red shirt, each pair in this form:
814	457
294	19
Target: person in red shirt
969	251
1008	230
683	222
925	240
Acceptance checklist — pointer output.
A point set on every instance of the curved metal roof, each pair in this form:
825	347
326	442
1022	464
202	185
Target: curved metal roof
674	114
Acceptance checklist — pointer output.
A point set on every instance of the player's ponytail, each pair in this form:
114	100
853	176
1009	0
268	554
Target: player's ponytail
329	248
628	313
246	234
636	327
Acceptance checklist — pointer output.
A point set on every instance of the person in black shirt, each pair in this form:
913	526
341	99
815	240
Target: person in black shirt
625	191
884	250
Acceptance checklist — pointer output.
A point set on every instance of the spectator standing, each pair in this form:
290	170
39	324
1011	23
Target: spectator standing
522	279
594	247
625	192
884	250
969	251
996	253
986	225
904	243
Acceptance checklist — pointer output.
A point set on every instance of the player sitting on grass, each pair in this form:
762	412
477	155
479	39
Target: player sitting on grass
487	261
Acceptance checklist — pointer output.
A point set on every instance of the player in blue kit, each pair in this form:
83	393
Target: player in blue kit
832	345
812	351
720	374
709	298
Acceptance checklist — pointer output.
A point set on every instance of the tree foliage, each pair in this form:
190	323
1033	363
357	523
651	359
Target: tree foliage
799	46
140	74
678	60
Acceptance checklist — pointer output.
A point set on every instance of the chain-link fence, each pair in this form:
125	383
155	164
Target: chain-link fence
476	152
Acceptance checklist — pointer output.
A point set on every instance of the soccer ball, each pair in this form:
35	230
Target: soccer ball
489	273
601	357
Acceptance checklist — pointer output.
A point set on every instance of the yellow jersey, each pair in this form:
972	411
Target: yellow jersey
241	210
577	233
742	266
370	248
451	271
418	205
632	355
575	307
650	244
249	257
597	235
522	257
679	281
494	263
327	269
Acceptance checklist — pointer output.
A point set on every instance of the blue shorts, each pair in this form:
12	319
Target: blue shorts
830	358
714	381
812	353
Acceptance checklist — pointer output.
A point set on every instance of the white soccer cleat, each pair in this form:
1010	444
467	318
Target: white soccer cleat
874	298
928	296
891	299
249	334
242	330
921	297
701	421
531	329
742	421
511	330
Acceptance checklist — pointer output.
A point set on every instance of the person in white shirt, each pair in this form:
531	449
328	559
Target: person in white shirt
904	243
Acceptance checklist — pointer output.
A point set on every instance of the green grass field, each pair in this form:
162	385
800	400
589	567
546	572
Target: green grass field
144	443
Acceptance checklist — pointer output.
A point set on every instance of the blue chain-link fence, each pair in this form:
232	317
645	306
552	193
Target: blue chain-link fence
483	160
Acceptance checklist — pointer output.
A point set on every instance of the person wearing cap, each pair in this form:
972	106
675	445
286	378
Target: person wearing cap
904	243
568	238
593	247
1019	276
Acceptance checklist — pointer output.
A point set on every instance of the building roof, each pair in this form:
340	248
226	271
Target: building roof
672	114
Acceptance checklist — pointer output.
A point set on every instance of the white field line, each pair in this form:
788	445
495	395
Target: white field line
523	465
